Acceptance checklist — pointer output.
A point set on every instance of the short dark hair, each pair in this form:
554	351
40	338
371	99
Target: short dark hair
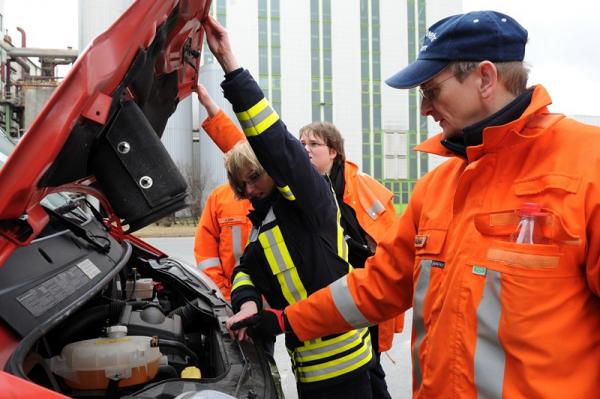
512	74
330	135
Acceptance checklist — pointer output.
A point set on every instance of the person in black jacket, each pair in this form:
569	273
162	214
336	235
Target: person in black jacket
296	246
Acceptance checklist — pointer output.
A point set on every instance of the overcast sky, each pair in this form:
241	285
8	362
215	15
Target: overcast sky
563	50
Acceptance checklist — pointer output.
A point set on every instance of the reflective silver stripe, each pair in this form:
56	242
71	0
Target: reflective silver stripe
489	355
269	218
285	270
287	193
261	116
253	235
236	243
418	323
337	367
375	209
209	262
344	303
258	118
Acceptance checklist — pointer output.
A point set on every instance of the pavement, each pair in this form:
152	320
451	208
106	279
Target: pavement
395	362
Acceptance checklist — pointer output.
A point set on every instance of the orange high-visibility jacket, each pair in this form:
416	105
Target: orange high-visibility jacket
492	318
371	201
375	212
223	228
223	131
221	235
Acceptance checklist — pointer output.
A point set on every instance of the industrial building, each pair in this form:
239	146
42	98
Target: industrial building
327	60
27	78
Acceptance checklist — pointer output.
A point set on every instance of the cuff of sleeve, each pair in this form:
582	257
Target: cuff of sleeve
231	75
244	294
223	131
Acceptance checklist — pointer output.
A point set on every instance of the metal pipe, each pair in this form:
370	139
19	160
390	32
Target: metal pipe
23	36
26	67
42	52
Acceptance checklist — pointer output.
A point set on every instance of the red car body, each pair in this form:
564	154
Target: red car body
99	136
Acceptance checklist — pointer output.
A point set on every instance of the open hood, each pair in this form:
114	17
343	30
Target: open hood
100	131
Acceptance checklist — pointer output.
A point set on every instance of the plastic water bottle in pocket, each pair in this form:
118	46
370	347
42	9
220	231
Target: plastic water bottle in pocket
528	229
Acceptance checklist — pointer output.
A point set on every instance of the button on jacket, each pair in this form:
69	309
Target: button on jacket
296	243
491	318
221	235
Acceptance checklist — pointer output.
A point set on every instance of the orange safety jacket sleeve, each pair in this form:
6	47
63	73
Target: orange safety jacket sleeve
374	209
223	131
206	247
380	291
397	326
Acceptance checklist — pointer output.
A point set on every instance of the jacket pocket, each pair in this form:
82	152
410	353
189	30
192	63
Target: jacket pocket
552	181
430	241
532	260
496	251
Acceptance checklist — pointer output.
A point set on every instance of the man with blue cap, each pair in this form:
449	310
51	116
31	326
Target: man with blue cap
498	251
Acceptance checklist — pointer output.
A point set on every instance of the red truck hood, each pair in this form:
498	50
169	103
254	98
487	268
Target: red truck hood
147	61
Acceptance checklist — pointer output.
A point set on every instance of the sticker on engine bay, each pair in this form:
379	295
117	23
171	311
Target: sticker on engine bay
46	295
88	267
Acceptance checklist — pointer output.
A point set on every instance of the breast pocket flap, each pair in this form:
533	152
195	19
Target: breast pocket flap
430	242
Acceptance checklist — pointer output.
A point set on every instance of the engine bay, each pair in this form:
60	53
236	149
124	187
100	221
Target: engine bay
124	324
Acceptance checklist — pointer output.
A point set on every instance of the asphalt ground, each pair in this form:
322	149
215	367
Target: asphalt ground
395	362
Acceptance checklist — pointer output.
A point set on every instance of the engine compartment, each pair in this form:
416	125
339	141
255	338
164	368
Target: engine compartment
182	329
118	321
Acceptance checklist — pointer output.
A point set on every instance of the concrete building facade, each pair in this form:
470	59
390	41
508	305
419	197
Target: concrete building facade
328	60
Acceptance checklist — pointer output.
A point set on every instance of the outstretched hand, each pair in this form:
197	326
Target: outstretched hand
265	324
206	100
247	310
218	43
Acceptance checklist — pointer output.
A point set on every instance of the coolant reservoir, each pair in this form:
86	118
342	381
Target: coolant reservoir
90	364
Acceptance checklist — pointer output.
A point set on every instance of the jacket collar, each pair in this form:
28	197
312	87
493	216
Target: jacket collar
495	137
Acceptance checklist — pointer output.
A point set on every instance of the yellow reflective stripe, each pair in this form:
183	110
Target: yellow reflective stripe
281	264
287	193
258	118
240	280
324	349
342	245
320	343
252	111
335	368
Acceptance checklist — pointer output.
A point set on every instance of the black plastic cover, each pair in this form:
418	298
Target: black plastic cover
135	170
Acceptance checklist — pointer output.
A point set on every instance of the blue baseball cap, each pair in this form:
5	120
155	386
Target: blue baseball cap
474	36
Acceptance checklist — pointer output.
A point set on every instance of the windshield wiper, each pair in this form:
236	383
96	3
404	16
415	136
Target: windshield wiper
93	240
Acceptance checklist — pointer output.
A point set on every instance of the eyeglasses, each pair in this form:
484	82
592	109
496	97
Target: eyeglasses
251	178
431	93
312	144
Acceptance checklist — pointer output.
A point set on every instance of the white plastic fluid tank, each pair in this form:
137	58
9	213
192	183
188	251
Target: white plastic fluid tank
90	364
